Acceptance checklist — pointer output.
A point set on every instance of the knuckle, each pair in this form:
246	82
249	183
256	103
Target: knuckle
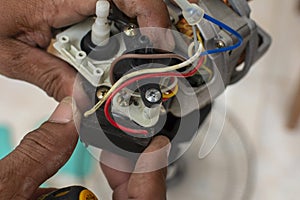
52	75
52	82
55	77
55	83
46	145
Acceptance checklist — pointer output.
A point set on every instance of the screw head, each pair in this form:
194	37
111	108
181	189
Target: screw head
122	102
101	92
220	44
153	95
130	30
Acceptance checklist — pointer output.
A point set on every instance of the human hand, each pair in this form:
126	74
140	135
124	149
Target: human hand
147	180
40	155
152	13
25	33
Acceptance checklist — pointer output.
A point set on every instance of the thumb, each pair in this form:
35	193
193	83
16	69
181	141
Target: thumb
40	154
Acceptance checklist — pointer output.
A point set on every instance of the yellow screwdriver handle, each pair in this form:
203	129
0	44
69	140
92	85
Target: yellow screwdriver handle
70	193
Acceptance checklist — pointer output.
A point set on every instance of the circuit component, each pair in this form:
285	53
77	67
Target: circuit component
139	90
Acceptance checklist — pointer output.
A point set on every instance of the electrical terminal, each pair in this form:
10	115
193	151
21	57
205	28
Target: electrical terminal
190	11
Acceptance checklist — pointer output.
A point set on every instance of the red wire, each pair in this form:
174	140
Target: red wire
134	79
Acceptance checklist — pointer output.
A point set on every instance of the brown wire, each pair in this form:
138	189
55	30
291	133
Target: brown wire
140	56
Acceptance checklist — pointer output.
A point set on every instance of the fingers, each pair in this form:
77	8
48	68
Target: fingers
117	180
38	15
29	26
115	177
149	173
146	185
40	155
20	61
149	13
152	13
155	156
59	13
41	192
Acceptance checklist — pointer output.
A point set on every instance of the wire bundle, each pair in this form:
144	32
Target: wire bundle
162	72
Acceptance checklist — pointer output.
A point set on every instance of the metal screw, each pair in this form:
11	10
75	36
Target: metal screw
101	92
130	30
122	102
220	44
153	95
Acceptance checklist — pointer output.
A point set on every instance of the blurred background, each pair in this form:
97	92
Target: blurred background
257	156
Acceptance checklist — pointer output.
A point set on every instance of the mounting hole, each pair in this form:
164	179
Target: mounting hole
98	72
81	55
64	39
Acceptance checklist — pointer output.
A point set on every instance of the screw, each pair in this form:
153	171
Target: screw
130	30
153	95
220	44
122	102
101	92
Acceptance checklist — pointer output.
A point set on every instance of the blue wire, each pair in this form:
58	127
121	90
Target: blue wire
227	28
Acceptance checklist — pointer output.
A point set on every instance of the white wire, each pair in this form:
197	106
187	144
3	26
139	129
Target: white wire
195	37
170	87
142	72
191	49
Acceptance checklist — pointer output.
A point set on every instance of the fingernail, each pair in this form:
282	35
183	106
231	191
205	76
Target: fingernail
63	112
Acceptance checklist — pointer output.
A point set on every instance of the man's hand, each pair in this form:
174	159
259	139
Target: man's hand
147	180
25	32
39	156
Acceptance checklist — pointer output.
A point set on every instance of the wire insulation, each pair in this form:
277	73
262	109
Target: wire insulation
141	72
137	78
227	28
161	72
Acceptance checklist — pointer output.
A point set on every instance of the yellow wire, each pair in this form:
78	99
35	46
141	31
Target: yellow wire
209	71
171	94
199	37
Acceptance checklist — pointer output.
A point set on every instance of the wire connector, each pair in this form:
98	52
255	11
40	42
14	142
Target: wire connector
190	11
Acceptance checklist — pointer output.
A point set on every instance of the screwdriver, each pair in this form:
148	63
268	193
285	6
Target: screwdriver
70	193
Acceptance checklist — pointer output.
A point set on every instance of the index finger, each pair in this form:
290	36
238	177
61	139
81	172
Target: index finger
59	13
152	13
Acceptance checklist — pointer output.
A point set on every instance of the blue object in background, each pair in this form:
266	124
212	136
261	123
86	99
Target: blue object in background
80	164
5	141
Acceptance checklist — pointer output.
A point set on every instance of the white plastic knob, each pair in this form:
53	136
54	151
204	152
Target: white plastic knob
101	28
102	8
